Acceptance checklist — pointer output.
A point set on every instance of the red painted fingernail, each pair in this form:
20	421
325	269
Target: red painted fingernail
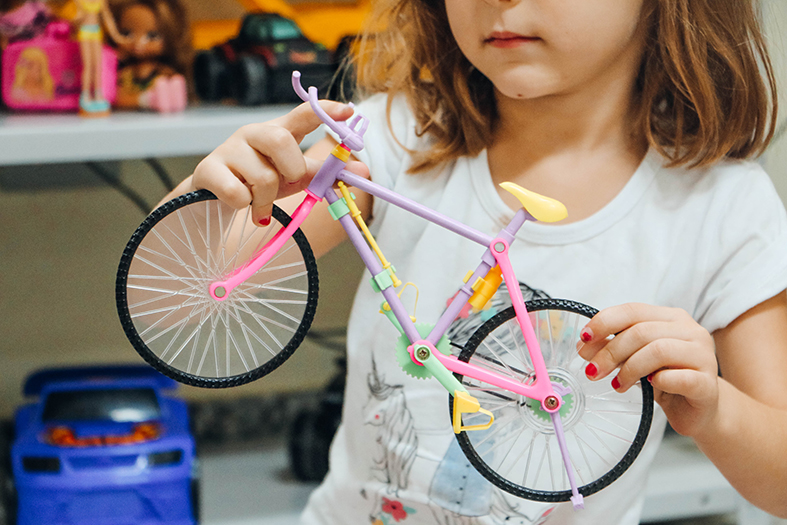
586	335
265	221
615	383
591	370
650	377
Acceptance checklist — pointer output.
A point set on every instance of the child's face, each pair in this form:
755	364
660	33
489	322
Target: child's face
536	48
139	23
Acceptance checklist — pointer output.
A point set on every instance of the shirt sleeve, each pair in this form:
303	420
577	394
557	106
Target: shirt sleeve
747	252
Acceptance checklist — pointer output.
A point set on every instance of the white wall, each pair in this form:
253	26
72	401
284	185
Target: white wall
775	22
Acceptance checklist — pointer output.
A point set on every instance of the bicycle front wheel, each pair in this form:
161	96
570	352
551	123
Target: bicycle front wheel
605	430
171	319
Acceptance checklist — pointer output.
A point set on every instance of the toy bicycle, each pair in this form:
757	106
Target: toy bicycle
212	300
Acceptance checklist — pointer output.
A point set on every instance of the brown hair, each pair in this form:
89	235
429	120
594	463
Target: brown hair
706	88
174	26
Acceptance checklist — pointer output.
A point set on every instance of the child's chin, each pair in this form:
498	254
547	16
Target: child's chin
523	84
521	92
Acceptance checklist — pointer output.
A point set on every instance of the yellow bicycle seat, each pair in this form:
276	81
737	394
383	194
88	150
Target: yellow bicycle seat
542	208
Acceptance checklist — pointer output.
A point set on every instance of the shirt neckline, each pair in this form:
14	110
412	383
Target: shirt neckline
556	234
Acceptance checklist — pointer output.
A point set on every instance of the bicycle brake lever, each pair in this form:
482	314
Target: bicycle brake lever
347	134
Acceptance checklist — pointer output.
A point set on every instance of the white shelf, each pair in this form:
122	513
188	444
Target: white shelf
56	138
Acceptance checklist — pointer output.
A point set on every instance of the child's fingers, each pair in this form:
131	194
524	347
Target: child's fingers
261	205
279	146
263	162
215	175
302	120
615	319
690	384
661	354
616	351
359	168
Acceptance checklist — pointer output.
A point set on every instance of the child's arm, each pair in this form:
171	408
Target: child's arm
263	163
738	420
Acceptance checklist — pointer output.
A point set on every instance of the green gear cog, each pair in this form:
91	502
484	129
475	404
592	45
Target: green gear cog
535	406
403	356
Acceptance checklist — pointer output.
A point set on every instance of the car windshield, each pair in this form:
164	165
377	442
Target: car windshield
128	405
284	30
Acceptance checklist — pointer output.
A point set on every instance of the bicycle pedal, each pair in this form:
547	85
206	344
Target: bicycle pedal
464	403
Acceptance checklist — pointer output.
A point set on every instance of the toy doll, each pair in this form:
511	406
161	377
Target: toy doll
155	61
90	15
21	20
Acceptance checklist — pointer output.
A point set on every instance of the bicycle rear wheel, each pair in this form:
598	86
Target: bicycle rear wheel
173	322
605	430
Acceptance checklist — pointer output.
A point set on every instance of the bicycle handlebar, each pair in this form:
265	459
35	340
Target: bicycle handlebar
350	135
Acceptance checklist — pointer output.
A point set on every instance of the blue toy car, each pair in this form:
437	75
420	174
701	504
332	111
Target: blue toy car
103	446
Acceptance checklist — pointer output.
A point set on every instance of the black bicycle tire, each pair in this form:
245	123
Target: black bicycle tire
541	495
199	381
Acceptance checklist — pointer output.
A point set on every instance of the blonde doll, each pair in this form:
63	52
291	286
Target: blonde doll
90	16
32	78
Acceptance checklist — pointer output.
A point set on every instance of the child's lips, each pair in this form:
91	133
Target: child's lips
505	39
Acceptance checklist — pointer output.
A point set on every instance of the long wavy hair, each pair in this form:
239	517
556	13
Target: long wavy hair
706	86
173	23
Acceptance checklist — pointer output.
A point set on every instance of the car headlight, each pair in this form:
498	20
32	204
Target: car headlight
170	457
41	464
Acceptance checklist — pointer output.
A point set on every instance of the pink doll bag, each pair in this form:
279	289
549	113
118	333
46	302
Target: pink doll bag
45	73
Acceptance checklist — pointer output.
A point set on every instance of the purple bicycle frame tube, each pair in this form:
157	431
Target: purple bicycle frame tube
414	207
448	223
371	262
373	265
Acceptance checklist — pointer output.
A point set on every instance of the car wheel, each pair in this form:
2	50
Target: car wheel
7	490
250	86
310	442
210	76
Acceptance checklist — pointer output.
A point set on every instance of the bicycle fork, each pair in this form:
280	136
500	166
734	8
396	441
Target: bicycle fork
499	249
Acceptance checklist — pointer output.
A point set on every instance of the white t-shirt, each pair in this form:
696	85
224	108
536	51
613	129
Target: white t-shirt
712	241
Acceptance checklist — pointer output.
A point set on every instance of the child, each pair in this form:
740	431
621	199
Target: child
637	115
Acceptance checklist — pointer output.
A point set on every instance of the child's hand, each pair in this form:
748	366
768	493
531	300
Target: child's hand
665	345
261	163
